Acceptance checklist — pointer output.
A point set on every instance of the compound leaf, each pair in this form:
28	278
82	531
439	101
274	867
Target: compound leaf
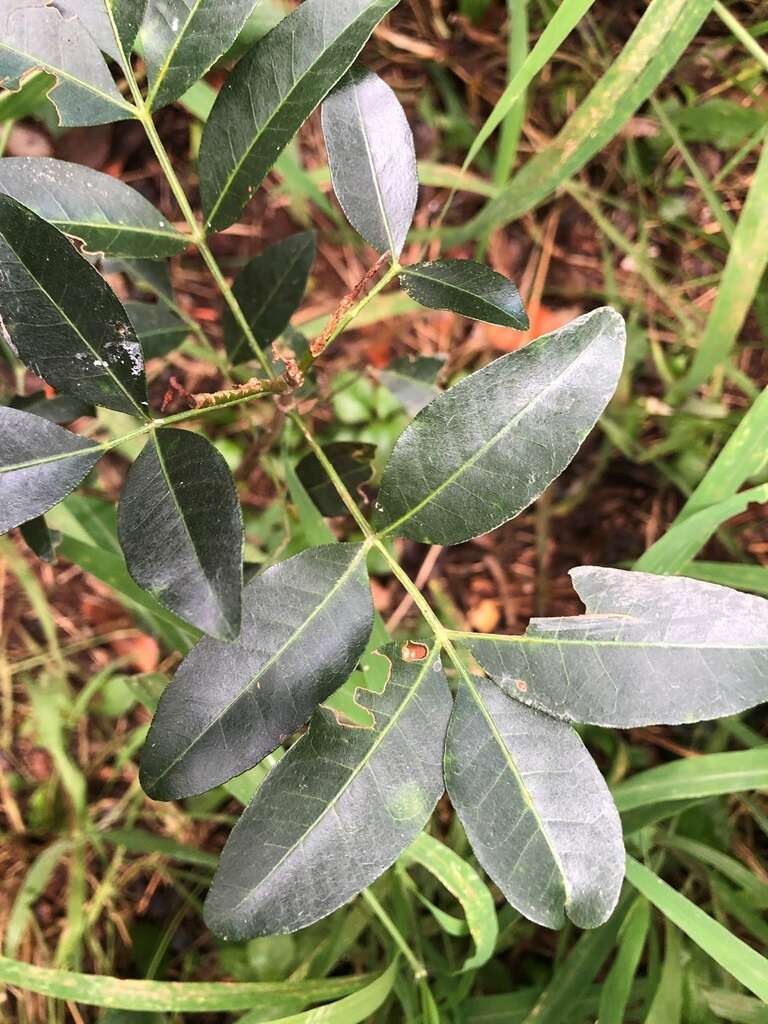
338	809
306	622
352	460
267	98
184	38
107	215
651	650
40	463
61	318
36	36
372	159
468	288
270	289
535	808
482	451
181	530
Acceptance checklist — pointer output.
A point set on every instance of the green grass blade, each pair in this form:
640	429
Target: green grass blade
667	1005
672	552
664	32
695	777
617	988
517	54
32	888
171	996
354	1008
744	269
752	578
733	955
463	882
566	18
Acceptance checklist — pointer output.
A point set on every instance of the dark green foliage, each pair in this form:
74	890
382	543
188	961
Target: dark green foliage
295	855
270	289
182	531
468	288
305	624
354	464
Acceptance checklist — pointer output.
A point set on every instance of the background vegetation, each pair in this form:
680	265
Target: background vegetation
661	212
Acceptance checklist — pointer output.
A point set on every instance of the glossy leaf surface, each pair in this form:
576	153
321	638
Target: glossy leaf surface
485	449
36	36
270	289
158	328
62	319
183	38
181	530
372	159
651	650
306	622
468	288
267	98
352	460
338	809
108	216
40	463
535	808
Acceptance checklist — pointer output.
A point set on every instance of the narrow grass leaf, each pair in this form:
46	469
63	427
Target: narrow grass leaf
463	882
616	990
745	964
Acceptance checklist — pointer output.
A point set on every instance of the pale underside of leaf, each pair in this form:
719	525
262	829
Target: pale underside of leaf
305	623
372	159
35	36
338	809
181	529
535	808
40	463
651	650
107	215
485	449
267	99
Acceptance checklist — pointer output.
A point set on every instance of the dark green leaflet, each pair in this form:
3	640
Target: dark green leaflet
36	36
338	809
181	530
519	420
535	808
184	38
158	328
305	623
108	216
352	461
37	465
267	99
62	319
270	289
61	409
651	650
468	288
38	538
372	159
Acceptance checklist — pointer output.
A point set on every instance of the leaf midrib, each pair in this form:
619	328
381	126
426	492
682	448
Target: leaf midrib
491	443
296	635
172	492
69	226
162	73
285	101
374	174
95	352
353	775
410	272
660	645
60	74
529	801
